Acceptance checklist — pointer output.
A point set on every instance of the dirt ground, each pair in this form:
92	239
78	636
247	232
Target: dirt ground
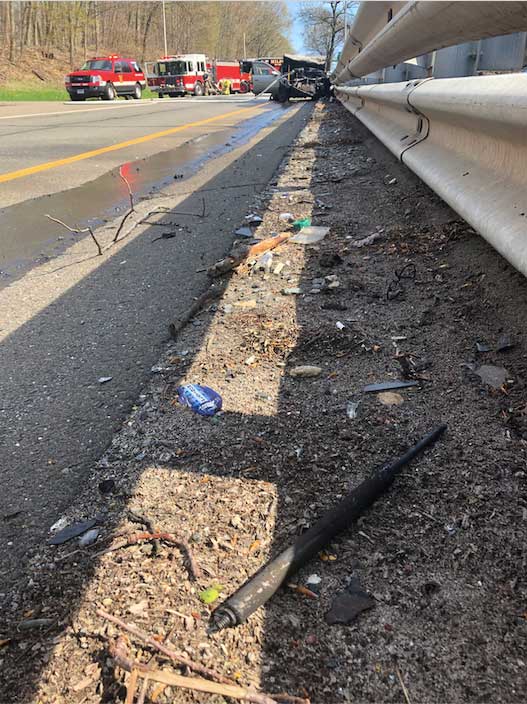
442	554
50	69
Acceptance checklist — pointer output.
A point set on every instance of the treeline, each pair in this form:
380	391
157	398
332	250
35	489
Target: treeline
222	30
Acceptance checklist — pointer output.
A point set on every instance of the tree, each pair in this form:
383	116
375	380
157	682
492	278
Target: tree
324	24
82	28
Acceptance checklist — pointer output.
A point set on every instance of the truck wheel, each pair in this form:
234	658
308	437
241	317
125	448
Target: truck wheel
198	88
136	95
109	92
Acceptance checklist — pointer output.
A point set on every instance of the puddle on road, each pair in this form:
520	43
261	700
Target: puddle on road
27	236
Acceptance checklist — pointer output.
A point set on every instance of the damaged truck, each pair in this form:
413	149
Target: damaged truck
302	77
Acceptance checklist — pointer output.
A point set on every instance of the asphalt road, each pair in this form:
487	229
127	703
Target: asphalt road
54	142
71	319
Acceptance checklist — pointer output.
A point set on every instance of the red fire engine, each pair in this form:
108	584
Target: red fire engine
185	74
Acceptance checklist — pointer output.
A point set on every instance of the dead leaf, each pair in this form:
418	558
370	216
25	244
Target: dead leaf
390	398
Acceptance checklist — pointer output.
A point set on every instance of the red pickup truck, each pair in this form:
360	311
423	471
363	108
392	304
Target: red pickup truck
106	77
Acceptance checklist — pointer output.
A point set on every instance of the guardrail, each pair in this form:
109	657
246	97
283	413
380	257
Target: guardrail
467	139
386	34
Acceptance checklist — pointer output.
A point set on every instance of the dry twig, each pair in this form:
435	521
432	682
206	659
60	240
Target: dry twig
142	693
130	687
132	207
165	538
119	653
171	654
403	686
78	231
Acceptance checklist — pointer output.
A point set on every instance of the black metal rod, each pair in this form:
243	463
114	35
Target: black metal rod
264	583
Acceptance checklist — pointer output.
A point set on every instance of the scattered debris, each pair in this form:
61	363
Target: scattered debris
89	537
396	288
332	281
201	399
388	385
107	486
492	375
261	587
104	379
241	253
301	223
370	239
305	371
244	232
390	398
253	219
265	262
313	583
310	235
504	342
294	291
59	525
349	604
119	652
483	347
287	217
72	531
211	594
351	409
278	268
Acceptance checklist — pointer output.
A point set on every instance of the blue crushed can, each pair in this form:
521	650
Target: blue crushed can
201	399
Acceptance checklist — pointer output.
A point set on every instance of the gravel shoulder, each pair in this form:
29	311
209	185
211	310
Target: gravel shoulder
442	554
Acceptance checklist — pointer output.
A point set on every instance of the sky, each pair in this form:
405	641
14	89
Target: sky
296	28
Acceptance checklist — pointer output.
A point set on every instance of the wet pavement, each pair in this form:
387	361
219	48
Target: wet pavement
28	236
48	151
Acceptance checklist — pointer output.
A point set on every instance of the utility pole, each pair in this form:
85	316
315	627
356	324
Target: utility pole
164	26
244	47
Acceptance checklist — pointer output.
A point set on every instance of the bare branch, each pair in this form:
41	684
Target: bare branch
78	231
168	652
119	653
132	207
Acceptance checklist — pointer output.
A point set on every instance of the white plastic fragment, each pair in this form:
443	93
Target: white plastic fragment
59	525
351	409
310	235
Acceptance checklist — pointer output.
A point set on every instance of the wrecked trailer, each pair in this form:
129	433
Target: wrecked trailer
302	77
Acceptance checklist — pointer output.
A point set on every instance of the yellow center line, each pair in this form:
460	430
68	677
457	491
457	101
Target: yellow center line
20	173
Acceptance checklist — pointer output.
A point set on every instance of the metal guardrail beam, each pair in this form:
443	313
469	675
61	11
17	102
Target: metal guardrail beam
419	27
467	139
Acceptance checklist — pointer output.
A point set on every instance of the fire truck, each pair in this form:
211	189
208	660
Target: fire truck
186	74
